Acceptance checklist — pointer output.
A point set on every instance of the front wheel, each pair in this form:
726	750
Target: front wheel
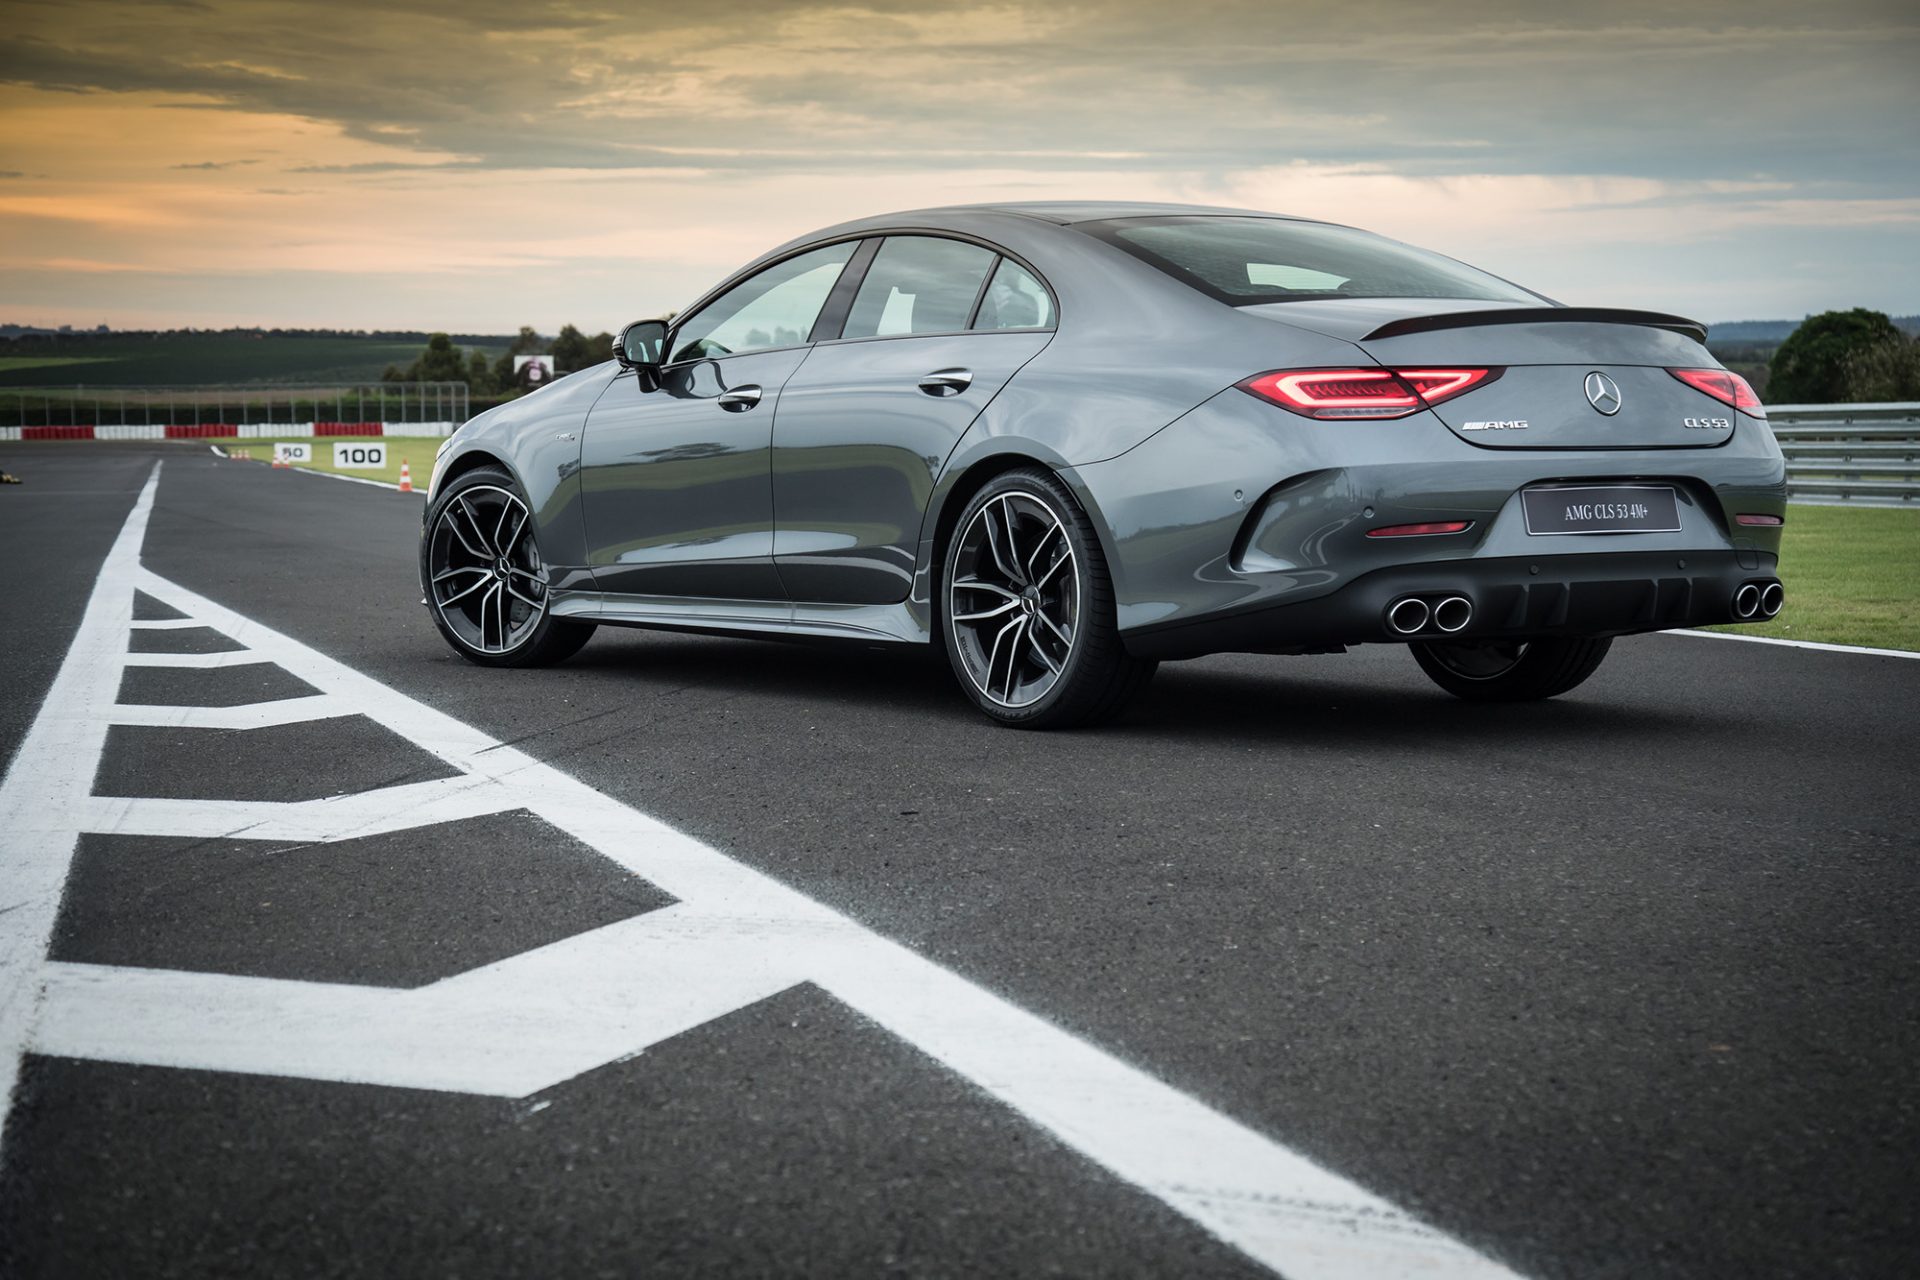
1509	670
485	581
1028	614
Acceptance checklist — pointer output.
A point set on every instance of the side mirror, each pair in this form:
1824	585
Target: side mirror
641	345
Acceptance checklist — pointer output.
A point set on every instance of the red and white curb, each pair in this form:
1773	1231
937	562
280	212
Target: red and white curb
230	431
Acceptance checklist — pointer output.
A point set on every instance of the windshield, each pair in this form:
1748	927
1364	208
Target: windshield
1242	261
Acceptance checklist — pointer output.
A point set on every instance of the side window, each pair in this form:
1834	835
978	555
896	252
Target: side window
918	284
775	308
1015	300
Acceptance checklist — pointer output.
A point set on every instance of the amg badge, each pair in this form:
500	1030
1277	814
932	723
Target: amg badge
1512	424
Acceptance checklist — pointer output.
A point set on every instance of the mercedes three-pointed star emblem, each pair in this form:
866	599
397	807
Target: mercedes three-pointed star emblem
1603	393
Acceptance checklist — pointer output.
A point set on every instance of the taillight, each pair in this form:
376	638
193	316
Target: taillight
1363	393
1753	518
1725	386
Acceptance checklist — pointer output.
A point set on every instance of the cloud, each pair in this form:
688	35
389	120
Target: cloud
584	150
1705	90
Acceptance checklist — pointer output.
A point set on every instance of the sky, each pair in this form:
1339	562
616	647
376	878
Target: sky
478	166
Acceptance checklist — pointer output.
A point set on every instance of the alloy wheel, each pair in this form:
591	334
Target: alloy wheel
487	580
1014	600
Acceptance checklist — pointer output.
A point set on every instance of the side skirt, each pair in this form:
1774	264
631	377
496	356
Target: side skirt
777	619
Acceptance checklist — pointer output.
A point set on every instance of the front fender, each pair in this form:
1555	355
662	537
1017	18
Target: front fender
538	438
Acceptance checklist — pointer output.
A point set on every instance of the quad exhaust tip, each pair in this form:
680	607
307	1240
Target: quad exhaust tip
1453	614
1772	597
1408	616
1746	601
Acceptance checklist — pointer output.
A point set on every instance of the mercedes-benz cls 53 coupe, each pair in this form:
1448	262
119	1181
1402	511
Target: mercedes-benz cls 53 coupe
1066	442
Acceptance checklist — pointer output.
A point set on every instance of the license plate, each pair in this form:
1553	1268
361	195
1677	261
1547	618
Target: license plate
1610	508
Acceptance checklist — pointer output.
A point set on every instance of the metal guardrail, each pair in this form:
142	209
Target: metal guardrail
1850	455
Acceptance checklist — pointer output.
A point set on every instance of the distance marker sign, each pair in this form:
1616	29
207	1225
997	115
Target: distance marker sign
358	455
287	451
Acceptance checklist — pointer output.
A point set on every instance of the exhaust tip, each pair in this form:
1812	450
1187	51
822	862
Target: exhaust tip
1453	614
1407	616
1746	601
1772	597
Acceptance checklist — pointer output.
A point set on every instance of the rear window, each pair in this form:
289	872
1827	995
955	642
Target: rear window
1242	261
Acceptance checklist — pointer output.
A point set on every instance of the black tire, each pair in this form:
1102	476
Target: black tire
1510	670
526	636
1085	678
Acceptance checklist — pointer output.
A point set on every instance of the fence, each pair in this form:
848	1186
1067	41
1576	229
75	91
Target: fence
260	412
1853	455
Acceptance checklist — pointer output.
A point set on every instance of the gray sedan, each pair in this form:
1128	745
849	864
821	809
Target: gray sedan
1066	442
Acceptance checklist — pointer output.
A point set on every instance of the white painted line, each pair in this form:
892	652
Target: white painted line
334	475
164	624
218	452
202	661
1801	644
253	715
539	1018
507	1030
50	777
346	817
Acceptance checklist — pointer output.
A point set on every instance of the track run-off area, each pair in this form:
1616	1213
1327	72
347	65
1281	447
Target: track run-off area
322	951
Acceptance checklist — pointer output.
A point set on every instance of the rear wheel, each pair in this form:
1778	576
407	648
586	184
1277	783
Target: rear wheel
485	580
1509	670
1028	613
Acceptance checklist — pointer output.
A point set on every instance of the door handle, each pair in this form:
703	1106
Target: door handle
740	399
947	382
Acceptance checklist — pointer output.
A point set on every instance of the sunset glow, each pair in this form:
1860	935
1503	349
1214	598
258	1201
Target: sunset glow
416	165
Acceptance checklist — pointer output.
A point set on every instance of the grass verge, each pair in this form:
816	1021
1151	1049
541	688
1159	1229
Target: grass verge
415	450
1852	576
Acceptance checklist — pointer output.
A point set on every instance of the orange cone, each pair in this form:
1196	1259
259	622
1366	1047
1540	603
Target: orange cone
406	477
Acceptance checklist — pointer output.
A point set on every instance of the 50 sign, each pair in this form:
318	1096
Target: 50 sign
368	457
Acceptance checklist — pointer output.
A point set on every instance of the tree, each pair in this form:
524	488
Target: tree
440	362
1810	367
574	350
1885	371
480	379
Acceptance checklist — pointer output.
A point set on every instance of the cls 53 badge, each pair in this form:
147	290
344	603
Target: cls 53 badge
1707	424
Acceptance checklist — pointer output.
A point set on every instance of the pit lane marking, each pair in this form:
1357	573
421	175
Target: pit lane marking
530	1021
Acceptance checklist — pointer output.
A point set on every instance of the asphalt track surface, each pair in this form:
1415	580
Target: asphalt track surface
1618	985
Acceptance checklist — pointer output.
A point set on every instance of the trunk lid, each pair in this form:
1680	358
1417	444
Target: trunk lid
1551	356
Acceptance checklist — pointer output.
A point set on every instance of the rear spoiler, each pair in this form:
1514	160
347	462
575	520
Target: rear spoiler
1540	315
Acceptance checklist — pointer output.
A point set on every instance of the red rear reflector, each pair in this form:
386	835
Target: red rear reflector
1750	518
1420	530
1725	386
1363	393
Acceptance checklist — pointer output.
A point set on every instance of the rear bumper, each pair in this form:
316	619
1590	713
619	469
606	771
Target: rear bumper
1570	595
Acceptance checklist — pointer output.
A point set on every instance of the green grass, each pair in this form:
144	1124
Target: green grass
19	364
417	451
227	359
1852	576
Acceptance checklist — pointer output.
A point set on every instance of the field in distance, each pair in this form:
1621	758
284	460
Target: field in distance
227	358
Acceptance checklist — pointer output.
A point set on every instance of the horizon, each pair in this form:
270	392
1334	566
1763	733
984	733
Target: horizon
273	164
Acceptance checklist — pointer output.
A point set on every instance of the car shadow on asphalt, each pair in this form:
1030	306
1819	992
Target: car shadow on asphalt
1185	701
1194	703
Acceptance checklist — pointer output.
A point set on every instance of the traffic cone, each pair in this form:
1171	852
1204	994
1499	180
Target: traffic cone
406	477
